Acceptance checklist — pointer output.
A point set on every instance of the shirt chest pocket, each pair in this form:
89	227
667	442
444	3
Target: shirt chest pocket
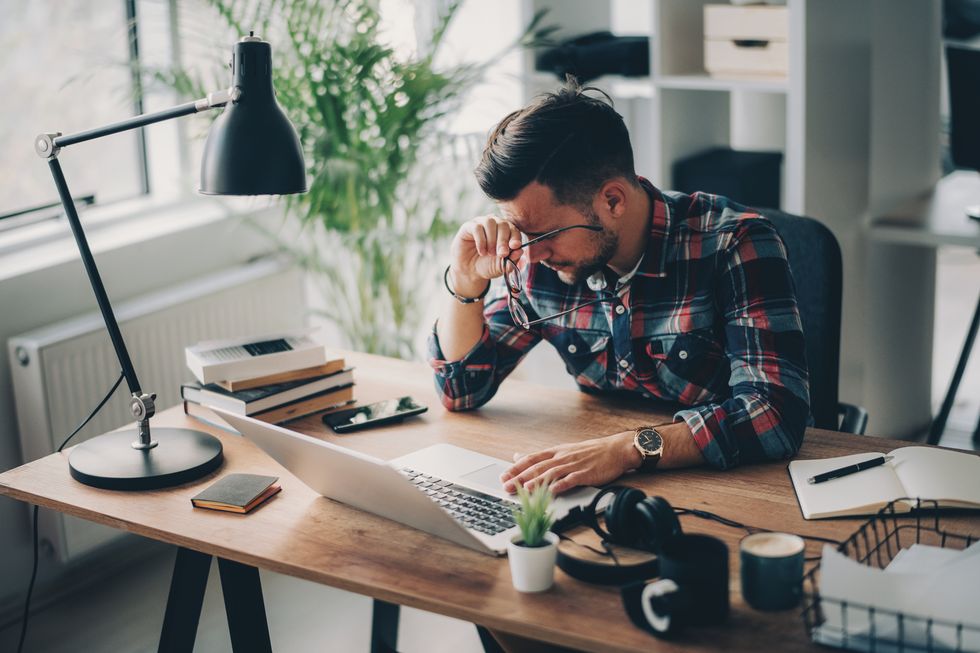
584	352
672	363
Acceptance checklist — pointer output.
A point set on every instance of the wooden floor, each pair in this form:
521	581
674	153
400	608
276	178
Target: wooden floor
123	614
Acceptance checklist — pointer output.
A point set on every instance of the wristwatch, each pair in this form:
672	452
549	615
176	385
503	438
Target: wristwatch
648	441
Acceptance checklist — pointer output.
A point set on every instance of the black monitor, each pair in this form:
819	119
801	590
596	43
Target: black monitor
963	69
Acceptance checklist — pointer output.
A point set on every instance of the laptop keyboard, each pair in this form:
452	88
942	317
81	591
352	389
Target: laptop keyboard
483	513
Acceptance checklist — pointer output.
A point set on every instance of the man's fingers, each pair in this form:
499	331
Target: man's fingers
569	482
515	237
523	463
479	238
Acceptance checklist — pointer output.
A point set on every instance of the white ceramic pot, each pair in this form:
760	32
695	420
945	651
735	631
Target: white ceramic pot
533	568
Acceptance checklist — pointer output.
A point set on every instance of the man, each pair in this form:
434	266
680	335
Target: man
684	298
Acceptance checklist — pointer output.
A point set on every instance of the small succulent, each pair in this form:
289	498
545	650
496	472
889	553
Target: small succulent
534	516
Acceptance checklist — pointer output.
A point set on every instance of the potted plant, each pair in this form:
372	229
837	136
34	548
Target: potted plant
532	553
385	189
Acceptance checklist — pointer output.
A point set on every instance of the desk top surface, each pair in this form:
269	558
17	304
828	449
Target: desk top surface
937	218
302	534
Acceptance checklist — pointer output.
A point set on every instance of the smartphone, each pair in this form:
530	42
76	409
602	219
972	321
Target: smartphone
388	411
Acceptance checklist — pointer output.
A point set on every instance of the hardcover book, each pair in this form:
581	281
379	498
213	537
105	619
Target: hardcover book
256	400
328	368
237	492
246	358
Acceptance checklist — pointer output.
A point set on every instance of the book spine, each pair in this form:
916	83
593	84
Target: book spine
317	403
262	365
202	414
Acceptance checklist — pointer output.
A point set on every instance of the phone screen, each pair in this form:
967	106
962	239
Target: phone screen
387	410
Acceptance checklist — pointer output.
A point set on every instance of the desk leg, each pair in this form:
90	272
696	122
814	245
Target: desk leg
187	587
384	627
939	425
244	606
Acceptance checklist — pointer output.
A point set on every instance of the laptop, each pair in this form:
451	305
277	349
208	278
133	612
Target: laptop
445	490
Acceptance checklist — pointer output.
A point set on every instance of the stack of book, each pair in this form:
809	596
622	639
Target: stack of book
272	378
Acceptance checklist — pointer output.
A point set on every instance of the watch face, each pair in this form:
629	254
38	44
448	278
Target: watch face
650	440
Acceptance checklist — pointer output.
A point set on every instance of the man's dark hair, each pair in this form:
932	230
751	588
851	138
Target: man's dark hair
567	140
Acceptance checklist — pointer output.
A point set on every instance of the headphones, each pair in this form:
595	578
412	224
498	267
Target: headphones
631	519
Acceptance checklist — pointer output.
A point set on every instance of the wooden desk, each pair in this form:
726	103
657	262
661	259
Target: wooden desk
302	534
937	218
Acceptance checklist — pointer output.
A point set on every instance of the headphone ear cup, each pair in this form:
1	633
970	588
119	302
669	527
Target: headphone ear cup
621	518
590	516
658	521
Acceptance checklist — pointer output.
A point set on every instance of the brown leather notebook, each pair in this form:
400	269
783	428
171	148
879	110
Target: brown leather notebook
237	492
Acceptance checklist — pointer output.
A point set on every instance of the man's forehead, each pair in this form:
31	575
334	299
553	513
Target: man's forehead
531	209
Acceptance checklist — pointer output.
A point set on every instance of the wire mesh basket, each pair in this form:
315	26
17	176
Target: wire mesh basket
862	627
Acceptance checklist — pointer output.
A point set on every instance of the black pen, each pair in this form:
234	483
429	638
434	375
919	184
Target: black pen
850	469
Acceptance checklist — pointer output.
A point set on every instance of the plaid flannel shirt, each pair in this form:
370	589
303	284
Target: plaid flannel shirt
708	319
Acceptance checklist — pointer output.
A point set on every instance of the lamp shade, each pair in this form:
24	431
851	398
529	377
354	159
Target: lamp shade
252	148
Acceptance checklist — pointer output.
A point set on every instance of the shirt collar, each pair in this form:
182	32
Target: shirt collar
653	263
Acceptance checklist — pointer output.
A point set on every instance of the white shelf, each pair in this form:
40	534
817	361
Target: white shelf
708	83
617	86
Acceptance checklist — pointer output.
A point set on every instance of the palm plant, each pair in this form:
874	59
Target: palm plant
372	122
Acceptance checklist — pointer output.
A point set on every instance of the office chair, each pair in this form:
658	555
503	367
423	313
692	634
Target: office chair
815	261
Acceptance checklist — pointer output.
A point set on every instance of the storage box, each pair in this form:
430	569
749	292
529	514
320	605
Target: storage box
746	41
749	178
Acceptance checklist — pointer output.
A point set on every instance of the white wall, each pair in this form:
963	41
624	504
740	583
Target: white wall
38	297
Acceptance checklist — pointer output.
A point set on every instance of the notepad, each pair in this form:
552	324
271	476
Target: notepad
237	492
951	478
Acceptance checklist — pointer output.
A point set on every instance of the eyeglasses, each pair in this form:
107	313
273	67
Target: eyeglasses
515	284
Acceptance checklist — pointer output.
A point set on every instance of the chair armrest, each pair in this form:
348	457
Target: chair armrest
854	419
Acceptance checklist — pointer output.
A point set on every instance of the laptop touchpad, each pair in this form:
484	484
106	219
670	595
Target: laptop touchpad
488	476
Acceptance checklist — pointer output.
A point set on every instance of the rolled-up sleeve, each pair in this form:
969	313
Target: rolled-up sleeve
471	381
766	416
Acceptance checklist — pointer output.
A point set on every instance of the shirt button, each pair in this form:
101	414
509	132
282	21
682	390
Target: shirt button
624	363
620	309
572	349
682	354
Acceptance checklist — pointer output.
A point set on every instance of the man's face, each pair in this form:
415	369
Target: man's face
575	254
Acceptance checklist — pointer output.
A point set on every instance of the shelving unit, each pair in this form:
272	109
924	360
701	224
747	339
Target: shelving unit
857	122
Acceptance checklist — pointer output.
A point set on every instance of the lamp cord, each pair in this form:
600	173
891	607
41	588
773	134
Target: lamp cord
30	587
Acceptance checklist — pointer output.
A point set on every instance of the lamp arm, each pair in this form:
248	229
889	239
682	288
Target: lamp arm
48	146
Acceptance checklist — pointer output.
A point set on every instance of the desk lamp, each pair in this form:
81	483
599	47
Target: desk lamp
251	149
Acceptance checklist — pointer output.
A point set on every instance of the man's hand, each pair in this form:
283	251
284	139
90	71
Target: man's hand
592	462
478	250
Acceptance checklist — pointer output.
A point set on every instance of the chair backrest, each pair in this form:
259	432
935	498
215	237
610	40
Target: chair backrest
963	70
815	260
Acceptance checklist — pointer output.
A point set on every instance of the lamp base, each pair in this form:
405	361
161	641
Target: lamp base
110	462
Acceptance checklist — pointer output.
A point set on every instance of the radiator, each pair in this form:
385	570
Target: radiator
61	372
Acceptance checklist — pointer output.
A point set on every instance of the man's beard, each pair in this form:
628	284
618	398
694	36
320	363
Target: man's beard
606	242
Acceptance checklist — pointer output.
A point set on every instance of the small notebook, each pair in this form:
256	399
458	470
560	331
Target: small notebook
237	492
951	478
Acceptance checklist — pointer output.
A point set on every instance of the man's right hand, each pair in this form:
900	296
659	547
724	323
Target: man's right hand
478	253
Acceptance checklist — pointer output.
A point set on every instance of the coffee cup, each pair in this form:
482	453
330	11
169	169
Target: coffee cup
772	570
692	589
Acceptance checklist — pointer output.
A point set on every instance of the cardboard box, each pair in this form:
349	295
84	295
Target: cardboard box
750	41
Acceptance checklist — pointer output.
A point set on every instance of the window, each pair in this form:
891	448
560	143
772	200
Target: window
66	67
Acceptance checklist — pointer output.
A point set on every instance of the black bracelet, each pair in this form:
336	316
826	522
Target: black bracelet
460	298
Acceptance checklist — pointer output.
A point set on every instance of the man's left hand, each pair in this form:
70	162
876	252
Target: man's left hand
591	462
